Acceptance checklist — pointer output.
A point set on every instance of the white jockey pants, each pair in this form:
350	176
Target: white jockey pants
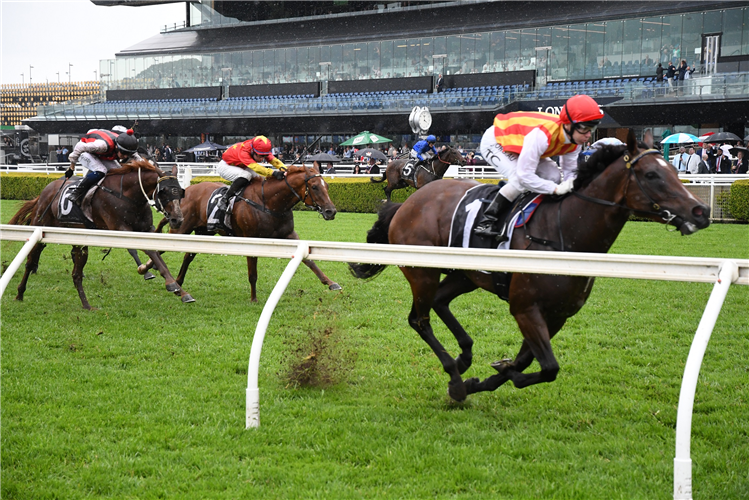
230	172
95	164
506	164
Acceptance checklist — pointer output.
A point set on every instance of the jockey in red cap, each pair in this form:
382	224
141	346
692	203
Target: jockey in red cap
520	146
239	164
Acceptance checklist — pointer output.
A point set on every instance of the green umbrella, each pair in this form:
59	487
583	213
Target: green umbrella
365	137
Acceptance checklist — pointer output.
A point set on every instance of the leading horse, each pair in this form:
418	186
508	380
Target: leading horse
614	183
121	203
262	211
399	176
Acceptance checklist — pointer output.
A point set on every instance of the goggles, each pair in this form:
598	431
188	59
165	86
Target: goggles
586	127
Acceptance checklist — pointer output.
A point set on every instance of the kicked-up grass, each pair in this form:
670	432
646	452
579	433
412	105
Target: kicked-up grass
144	397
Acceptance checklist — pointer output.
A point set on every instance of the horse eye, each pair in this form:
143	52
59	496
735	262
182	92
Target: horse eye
651	175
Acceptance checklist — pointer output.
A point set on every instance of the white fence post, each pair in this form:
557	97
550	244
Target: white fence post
252	406
729	273
13	267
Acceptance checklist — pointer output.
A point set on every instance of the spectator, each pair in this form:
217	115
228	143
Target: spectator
330	169
682	71
693	162
741	162
65	153
670	72
659	73
440	83
373	168
166	152
680	160
58	155
722	162
331	150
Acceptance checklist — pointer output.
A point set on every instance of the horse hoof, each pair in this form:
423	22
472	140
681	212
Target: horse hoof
148	276
142	269
335	286
172	287
457	391
502	365
187	298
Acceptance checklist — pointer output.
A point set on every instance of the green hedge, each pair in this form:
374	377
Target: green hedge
738	201
24	186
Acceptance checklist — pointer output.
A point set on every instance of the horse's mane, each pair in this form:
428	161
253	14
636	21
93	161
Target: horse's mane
133	166
597	163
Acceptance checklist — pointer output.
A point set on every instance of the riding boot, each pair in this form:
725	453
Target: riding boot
489	224
76	195
222	208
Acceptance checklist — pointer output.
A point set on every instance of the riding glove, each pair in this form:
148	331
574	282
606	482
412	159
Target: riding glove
277	174
564	188
69	173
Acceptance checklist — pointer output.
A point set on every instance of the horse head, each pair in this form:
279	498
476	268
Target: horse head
315	190
450	156
647	185
167	197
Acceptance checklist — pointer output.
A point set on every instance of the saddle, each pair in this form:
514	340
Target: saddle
70	213
212	208
470	210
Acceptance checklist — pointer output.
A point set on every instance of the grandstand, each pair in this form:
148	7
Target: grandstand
336	68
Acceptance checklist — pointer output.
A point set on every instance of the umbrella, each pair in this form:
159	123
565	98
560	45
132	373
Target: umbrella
727	150
206	146
680	138
371	153
366	137
323	158
724	137
735	150
704	138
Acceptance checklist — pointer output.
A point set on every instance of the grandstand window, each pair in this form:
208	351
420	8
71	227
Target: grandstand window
348	61
632	46
713	21
313	61
453	53
361	66
651	44
467	53
692	38
577	57
399	58
279	70
745	37
671	39
336	60
373	59
269	65
612	49
386	59
731	39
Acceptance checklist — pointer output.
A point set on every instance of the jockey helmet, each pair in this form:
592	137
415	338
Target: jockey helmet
127	143
431	138
119	129
582	112
261	145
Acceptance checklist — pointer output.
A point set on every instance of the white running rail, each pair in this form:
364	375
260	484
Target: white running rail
721	272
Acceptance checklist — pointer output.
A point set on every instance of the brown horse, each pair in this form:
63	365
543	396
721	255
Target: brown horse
121	203
435	169
614	183
264	211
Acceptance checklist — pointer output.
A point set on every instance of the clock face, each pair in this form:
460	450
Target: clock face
425	120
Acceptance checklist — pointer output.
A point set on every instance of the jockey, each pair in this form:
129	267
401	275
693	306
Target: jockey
520	146
423	150
239	164
99	152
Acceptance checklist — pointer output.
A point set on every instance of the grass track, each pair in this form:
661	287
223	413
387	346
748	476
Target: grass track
144	397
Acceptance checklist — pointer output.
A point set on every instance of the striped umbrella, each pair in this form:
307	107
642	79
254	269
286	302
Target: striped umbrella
680	138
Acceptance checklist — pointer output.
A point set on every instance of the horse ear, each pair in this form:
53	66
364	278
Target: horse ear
175	170
631	141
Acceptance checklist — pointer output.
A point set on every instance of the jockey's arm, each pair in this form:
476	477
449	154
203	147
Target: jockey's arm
535	144
277	163
96	147
264	171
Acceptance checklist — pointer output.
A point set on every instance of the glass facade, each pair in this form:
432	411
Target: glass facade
617	48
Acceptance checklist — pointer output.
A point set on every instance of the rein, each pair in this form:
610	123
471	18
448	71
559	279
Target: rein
266	210
629	164
151	201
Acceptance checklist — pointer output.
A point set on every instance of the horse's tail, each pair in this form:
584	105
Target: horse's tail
374	179
162	223
378	234
25	214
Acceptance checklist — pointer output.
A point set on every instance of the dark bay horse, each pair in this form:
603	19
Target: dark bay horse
614	183
433	170
264	212
121	203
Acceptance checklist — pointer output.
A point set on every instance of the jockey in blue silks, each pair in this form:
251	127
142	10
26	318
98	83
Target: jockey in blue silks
424	150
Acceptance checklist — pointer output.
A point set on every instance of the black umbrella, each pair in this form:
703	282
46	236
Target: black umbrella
371	153
735	150
723	137
324	158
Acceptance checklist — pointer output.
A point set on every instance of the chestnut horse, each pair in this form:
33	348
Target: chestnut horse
434	169
614	183
120	203
263	211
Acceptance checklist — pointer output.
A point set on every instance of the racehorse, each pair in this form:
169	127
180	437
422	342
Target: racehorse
614	183
399	177
120	203
263	211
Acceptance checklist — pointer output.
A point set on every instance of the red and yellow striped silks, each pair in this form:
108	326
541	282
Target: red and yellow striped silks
510	131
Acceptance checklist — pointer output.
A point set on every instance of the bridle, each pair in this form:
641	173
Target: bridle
307	194
656	210
155	201
629	164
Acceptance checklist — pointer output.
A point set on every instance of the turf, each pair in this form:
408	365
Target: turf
144	396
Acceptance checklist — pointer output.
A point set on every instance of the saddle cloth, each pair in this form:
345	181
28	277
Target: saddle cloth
213	205
68	212
408	171
470	210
